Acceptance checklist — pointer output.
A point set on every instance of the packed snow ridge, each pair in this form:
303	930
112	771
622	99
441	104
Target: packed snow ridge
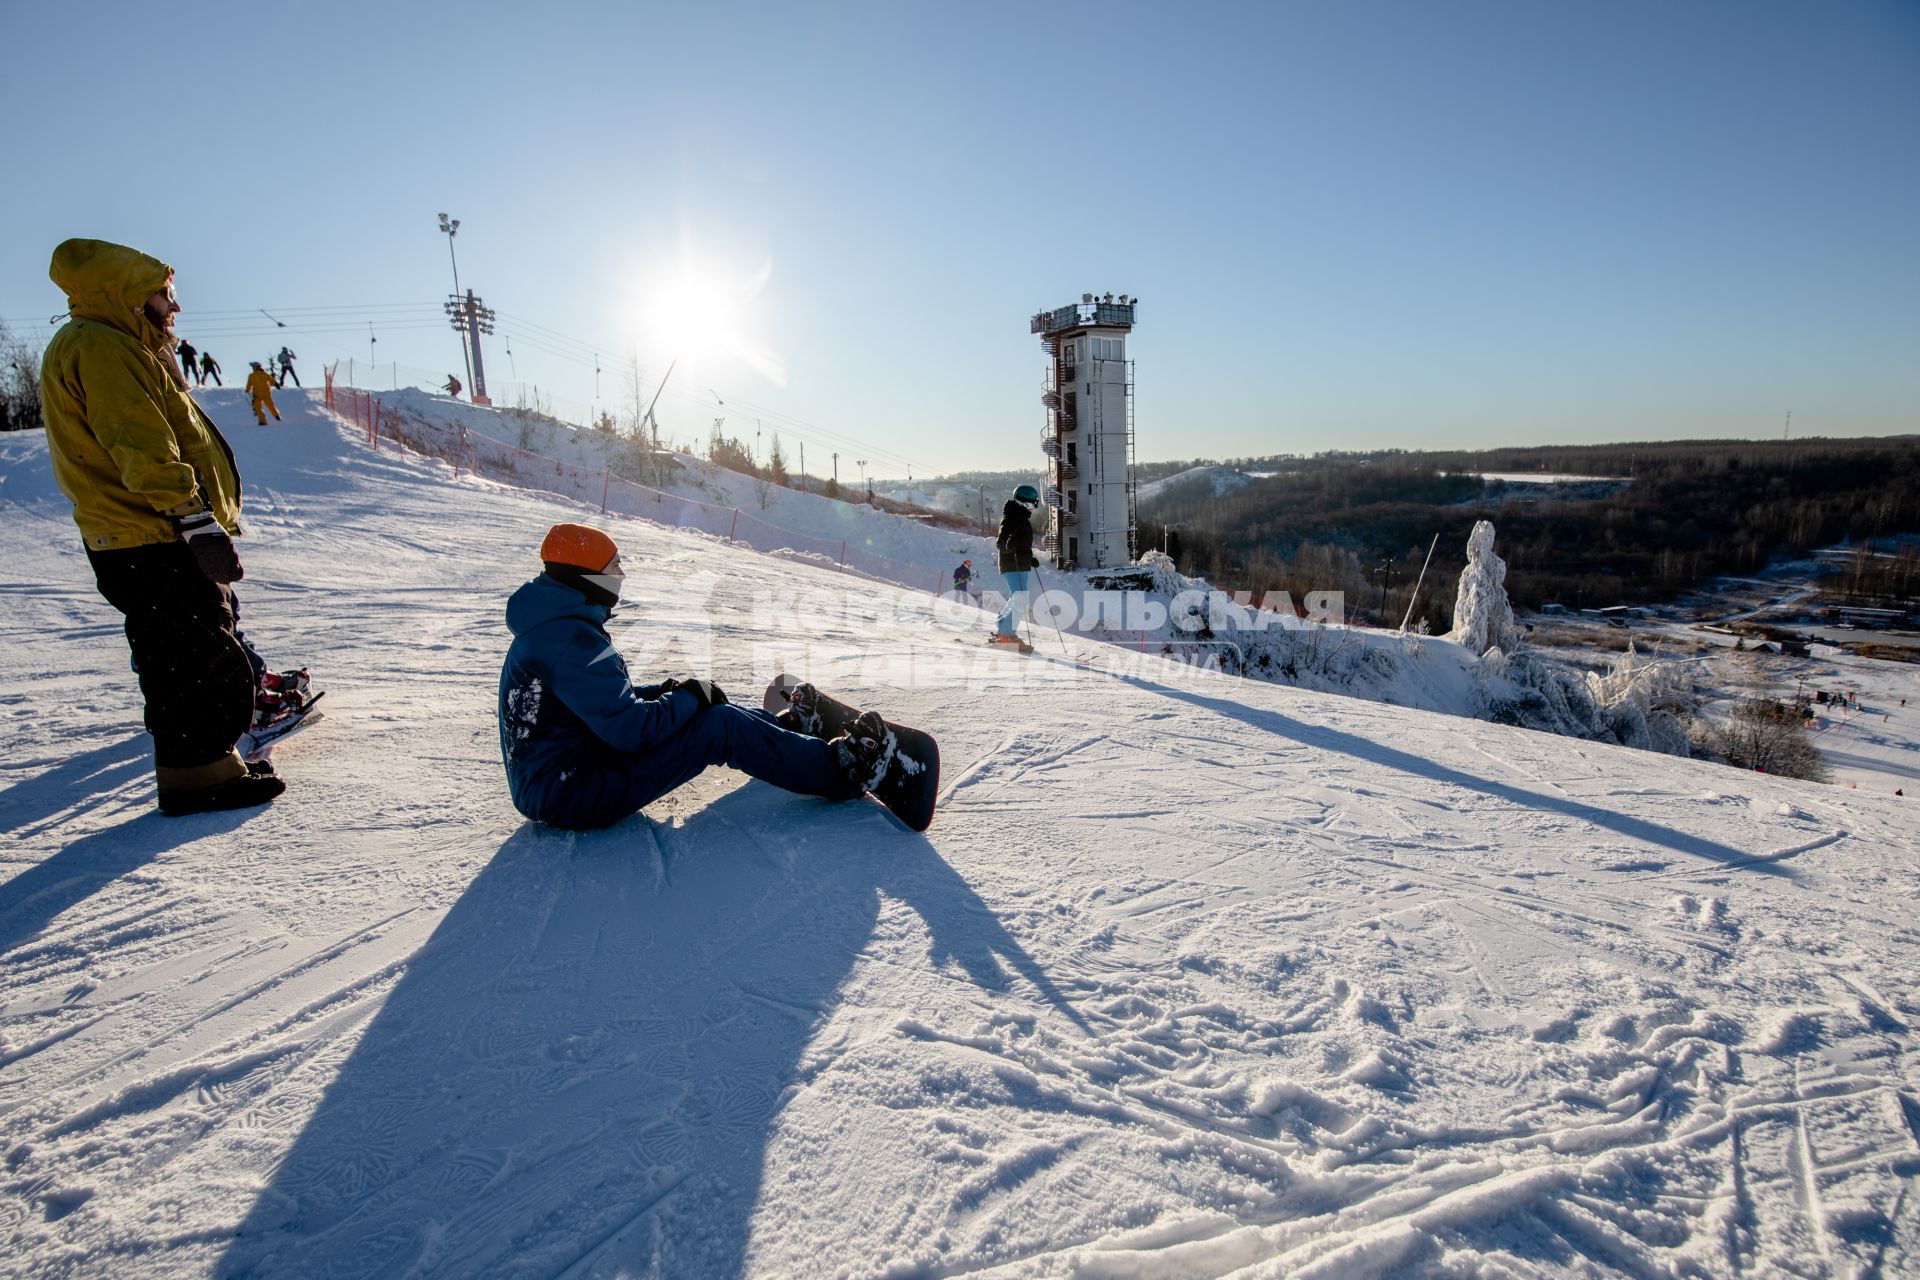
1192	975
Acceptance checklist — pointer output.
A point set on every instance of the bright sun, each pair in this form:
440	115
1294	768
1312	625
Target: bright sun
701	313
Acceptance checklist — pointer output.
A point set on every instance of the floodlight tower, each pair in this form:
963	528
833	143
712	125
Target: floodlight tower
1088	442
450	230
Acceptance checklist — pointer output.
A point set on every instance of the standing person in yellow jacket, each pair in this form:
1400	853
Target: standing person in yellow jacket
260	387
156	494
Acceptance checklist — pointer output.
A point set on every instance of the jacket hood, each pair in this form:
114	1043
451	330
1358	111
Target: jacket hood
544	600
110	283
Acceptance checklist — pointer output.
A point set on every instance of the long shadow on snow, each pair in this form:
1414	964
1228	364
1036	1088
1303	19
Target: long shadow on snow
34	898
1365	749
69	786
584	1063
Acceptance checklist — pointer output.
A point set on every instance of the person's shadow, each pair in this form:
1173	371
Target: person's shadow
579	1071
74	785
1325	738
33	899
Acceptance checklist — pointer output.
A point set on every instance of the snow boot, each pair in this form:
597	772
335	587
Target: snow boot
280	694
1010	641
287	682
804	701
866	750
243	792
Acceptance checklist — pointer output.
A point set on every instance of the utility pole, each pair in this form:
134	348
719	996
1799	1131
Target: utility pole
472	318
836	473
1788	429
803	468
450	230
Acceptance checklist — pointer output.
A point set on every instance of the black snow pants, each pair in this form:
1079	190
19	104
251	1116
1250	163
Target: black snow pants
194	673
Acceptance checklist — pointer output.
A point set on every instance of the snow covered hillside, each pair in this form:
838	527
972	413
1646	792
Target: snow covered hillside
1192	976
1221	479
913	553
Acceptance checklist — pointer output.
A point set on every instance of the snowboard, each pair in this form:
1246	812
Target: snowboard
912	782
256	742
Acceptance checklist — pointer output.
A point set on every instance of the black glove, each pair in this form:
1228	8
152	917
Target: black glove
709	693
211	546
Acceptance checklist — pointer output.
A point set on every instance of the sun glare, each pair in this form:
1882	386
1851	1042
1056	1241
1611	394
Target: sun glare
702	314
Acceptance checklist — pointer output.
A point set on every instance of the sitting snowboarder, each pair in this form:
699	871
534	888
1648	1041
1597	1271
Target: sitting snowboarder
585	747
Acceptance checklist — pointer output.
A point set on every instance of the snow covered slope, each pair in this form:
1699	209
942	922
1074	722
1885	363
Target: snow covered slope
932	549
1223	480
1192	976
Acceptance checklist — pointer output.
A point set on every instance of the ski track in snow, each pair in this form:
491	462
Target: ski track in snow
1190	977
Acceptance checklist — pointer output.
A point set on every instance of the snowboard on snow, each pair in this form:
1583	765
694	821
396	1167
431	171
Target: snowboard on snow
912	781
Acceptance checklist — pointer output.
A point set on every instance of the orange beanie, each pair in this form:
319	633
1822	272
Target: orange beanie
578	546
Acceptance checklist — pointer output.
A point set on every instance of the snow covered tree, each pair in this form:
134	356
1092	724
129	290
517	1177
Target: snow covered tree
1482	615
777	464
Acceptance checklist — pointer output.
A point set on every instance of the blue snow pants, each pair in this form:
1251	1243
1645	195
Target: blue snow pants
600	792
1016	580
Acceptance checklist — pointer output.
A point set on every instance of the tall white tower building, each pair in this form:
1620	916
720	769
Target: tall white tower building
1089	437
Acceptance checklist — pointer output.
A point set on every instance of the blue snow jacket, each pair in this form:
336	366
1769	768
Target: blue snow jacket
566	702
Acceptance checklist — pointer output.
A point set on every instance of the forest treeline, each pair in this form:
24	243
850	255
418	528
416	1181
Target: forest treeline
1655	520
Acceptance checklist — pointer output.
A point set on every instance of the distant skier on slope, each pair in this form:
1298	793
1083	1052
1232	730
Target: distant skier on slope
209	368
188	354
260	387
452	386
963	578
286	359
156	494
585	747
1016	561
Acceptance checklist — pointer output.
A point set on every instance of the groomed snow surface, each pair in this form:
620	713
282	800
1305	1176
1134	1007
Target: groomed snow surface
1191	977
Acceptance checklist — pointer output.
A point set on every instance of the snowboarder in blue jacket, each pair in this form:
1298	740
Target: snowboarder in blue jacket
584	746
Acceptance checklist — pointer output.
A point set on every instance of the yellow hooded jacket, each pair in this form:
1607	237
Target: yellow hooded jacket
129	445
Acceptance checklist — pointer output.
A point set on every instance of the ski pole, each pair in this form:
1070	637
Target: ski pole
1057	633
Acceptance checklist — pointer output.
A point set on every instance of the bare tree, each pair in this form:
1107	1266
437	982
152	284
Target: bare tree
19	383
1770	737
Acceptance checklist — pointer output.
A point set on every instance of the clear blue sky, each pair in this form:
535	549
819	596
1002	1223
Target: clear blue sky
1352	224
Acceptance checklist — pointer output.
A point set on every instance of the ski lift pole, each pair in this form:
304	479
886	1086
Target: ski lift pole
1411	600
